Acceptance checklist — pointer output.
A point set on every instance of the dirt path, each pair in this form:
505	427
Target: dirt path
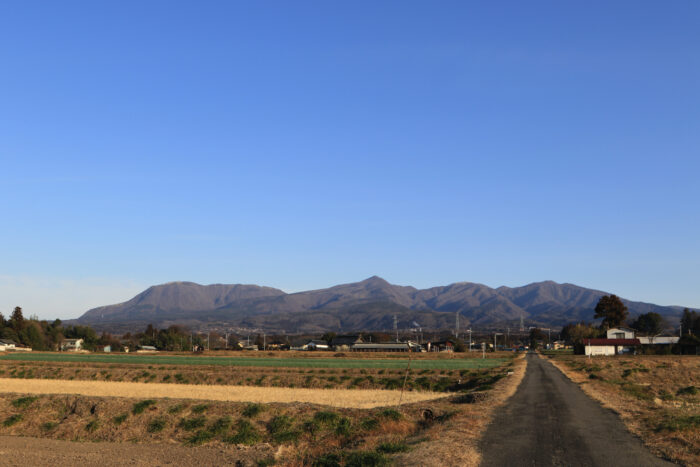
550	421
351	398
21	452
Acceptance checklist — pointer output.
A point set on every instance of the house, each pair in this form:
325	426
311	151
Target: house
620	333
609	346
316	344
107	348
72	345
388	347
6	344
345	342
659	340
147	349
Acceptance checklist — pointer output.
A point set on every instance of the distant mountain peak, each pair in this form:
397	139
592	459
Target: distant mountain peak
366	305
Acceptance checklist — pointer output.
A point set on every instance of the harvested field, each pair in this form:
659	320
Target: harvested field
657	397
331	397
379	361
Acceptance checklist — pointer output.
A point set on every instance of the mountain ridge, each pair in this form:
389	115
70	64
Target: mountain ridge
366	305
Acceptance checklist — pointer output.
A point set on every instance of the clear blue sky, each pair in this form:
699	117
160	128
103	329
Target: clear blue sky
304	144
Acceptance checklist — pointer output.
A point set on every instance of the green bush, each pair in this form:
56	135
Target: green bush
23	401
139	407
190	424
177	408
688	390
252	410
12	419
280	428
220	425
156	425
200	408
369	424
343	427
200	437
391	414
246	434
326	417
119	419
392	447
366	459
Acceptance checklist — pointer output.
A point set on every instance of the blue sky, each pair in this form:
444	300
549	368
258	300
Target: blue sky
304	144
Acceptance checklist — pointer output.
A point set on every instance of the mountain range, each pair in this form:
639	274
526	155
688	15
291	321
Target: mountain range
367	305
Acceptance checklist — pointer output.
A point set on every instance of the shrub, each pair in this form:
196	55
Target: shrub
48	426
246	434
252	410
391	414
280	429
139	407
12	419
366	459
220	425
200	408
326	416
190	424
369	424
23	401
679	423
200	437
688	390
119	419
92	426
392	447
177	408
156	425
343	427
327	460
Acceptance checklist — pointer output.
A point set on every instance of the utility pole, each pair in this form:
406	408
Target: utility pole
457	325
470	338
522	323
494	339
207	341
226	344
396	328
264	341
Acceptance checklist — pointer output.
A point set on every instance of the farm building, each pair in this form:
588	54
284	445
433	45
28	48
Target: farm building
389	347
146	349
7	344
71	345
345	342
439	346
609	346
316	344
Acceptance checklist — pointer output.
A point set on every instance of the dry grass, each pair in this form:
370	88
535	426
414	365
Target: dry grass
652	394
456	441
332	397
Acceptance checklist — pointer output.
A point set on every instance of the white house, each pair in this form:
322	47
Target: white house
6	345
609	346
72	345
317	344
620	333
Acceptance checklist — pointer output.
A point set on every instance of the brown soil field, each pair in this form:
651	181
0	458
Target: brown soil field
424	432
658	397
355	398
313	378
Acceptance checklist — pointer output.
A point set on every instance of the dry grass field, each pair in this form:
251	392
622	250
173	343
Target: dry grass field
658	397
355	398
333	422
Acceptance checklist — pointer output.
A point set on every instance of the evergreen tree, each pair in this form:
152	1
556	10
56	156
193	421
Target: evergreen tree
612	310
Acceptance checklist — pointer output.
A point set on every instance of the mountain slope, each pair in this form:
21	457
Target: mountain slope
369	304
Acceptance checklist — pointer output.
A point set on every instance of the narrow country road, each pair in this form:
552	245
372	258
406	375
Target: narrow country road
550	421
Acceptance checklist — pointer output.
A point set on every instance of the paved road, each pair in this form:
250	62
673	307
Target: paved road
550	421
